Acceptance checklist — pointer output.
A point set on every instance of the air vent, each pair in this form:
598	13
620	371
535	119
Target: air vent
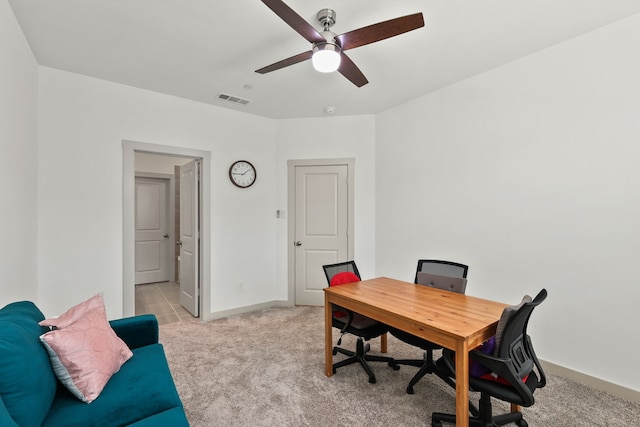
232	98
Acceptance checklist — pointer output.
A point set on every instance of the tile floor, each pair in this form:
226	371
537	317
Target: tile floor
163	300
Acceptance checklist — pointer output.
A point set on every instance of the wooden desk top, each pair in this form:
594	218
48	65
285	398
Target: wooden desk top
441	316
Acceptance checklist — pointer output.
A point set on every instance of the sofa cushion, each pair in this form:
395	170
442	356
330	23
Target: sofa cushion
174	417
27	382
5	417
142	388
85	352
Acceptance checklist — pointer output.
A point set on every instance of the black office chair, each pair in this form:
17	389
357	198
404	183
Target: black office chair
441	268
445	275
510	369
349	322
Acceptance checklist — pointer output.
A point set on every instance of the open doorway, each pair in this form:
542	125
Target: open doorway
148	159
158	244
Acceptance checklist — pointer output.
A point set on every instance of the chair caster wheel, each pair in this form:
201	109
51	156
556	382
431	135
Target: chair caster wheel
522	423
395	367
410	390
372	380
334	352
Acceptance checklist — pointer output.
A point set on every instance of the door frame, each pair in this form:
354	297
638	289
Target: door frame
291	179
171	217
129	149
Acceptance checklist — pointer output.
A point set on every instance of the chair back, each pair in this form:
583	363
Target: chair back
441	268
446	283
331	270
515	343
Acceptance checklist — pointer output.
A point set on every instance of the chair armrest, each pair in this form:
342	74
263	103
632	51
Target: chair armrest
542	377
349	320
137	331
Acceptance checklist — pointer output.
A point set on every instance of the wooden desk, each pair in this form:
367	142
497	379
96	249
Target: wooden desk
455	321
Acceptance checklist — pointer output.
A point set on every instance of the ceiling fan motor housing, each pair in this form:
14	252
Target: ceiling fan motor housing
326	17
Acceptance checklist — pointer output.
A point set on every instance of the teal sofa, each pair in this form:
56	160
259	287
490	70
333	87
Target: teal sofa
141	394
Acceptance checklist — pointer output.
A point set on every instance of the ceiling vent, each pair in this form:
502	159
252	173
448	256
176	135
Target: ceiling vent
232	98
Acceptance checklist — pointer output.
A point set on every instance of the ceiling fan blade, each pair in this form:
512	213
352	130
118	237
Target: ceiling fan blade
285	62
351	71
380	31
294	20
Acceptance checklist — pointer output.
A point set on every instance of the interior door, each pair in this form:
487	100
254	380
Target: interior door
189	238
321	227
151	228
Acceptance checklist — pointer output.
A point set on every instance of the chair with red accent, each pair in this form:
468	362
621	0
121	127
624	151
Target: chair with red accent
509	372
356	324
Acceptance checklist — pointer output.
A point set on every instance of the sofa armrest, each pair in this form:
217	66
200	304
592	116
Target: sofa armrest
137	331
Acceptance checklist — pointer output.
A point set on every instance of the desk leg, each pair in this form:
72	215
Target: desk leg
383	343
462	385
328	338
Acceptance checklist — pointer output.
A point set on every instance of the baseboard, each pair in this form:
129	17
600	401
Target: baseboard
593	382
245	309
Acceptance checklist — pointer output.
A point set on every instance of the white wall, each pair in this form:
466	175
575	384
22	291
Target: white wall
82	124
529	173
18	162
326	138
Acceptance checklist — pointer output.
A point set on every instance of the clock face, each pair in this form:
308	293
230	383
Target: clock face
242	174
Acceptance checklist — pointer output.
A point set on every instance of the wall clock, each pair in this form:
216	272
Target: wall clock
242	174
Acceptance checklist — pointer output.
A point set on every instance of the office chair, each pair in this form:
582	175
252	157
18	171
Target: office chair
356	324
445	275
441	268
509	373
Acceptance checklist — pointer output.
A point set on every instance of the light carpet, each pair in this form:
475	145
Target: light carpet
266	368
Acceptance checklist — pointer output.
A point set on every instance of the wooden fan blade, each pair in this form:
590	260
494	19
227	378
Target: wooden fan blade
380	31
285	62
294	20
351	71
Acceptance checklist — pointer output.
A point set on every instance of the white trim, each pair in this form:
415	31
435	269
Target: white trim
129	148
591	381
249	308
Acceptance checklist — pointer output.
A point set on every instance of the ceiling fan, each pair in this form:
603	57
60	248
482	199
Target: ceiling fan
327	53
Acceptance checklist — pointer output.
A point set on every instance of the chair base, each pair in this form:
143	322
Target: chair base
426	367
360	356
484	419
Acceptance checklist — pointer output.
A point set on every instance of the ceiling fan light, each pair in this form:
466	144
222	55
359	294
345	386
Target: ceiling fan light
326	57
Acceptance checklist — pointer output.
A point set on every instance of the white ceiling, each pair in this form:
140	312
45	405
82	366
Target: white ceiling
196	49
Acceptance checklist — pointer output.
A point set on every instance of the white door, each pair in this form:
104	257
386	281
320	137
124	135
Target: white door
321	227
189	238
152	237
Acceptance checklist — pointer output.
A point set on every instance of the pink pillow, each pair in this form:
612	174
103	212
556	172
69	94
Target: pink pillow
84	350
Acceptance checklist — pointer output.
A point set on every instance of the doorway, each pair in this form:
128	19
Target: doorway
321	200
130	150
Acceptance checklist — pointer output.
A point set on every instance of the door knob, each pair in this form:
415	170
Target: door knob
298	243
179	243
166	236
